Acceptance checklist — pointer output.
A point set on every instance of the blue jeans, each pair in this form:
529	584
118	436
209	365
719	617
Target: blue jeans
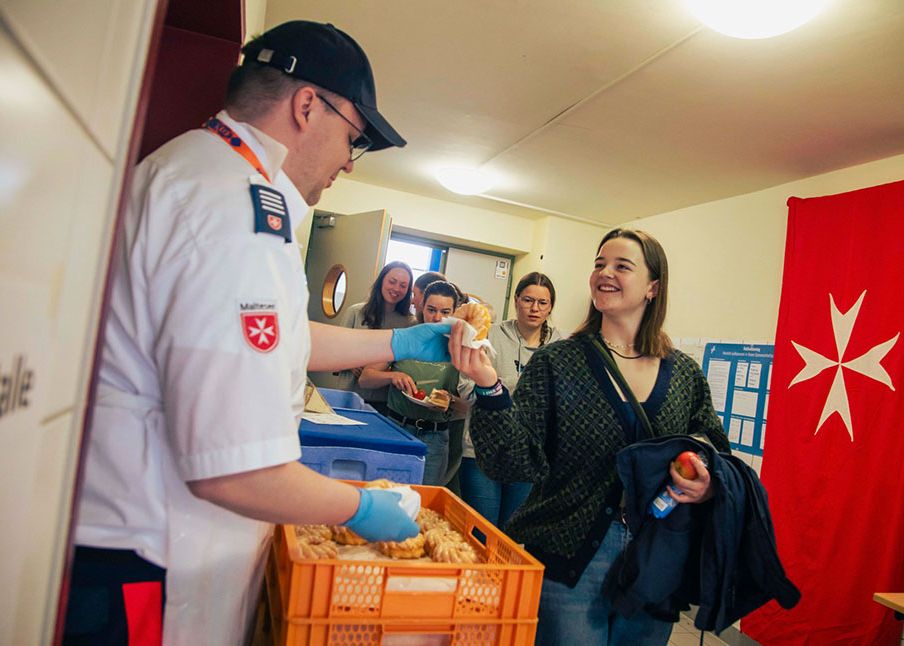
581	615
495	501
437	460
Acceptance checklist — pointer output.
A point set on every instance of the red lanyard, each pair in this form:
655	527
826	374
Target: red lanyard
235	142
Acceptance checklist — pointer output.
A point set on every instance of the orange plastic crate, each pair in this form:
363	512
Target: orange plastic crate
366	602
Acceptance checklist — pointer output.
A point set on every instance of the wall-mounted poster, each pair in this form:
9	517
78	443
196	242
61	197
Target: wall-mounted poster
739	375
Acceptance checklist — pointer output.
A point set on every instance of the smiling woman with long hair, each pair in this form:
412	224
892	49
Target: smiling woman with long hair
566	421
387	307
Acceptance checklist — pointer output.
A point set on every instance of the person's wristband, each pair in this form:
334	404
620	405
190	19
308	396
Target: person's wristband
492	391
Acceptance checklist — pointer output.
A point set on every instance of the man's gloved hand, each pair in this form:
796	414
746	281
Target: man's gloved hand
425	342
380	517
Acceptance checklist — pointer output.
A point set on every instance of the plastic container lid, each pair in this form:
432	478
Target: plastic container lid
379	434
344	399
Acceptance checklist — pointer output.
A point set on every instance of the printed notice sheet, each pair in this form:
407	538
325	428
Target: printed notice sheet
739	375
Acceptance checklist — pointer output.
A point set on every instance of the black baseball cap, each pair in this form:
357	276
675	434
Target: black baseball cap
330	58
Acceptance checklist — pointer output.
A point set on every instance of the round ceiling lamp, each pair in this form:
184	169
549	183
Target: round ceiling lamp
754	18
465	181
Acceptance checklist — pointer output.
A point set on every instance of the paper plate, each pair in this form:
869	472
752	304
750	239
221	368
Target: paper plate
422	402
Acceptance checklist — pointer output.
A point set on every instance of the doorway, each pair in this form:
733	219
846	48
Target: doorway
484	275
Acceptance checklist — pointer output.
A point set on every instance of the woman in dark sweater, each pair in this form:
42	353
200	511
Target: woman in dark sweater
567	420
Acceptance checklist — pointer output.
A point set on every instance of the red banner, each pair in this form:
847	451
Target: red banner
833	461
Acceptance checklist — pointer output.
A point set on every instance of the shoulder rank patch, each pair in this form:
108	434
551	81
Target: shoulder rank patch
271	215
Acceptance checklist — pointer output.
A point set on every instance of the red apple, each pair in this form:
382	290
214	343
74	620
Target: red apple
684	466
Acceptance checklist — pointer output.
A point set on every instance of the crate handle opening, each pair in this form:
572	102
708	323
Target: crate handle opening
479	536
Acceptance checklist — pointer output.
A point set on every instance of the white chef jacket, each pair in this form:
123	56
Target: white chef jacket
183	392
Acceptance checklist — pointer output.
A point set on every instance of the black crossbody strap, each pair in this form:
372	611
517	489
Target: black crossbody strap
613	370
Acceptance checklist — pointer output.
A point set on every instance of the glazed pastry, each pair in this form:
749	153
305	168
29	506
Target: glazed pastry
324	550
477	315
454	552
410	548
312	534
344	536
382	483
438	535
428	519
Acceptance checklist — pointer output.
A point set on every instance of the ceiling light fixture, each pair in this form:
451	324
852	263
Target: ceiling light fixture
755	18
465	181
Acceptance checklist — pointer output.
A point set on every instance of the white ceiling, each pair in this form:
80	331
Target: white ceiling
610	110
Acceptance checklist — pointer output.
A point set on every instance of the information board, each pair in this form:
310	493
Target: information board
739	375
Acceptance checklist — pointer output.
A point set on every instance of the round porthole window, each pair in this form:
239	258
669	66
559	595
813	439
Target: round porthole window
334	287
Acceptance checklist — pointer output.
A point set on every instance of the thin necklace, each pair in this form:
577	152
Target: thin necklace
616	347
624	356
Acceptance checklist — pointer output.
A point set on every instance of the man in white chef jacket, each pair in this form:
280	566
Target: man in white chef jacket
193	449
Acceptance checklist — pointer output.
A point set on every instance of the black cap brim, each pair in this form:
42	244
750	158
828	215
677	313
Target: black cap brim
378	129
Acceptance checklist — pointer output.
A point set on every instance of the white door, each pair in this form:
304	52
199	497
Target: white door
354	245
345	255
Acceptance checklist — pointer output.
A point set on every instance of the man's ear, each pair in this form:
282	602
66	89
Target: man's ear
302	106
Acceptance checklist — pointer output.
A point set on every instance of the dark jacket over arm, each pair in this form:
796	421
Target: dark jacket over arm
561	430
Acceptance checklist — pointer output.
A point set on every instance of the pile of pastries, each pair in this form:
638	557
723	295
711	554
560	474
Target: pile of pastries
437	539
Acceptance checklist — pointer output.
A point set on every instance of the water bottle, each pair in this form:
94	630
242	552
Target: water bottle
663	504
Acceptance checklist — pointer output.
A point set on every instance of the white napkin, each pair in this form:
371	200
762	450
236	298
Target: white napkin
468	336
411	500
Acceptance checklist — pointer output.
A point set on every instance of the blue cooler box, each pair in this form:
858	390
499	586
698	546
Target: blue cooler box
380	449
344	399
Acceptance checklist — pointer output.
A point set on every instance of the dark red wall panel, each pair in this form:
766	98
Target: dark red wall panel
197	52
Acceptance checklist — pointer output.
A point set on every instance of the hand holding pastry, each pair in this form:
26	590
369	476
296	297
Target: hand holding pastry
477	316
471	362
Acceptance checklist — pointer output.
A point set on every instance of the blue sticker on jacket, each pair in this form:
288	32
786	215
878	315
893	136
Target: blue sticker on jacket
271	215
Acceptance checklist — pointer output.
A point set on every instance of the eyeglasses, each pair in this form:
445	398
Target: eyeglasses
360	145
529	302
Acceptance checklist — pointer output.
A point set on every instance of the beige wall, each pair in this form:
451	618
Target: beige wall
562	249
449	221
255	17
726	257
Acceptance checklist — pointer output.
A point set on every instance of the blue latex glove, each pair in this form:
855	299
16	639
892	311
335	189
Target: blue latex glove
425	342
381	518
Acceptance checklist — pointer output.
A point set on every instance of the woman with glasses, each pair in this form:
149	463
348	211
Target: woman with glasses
515	342
387	308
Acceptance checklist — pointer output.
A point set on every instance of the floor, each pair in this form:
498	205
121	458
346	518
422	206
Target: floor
684	634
